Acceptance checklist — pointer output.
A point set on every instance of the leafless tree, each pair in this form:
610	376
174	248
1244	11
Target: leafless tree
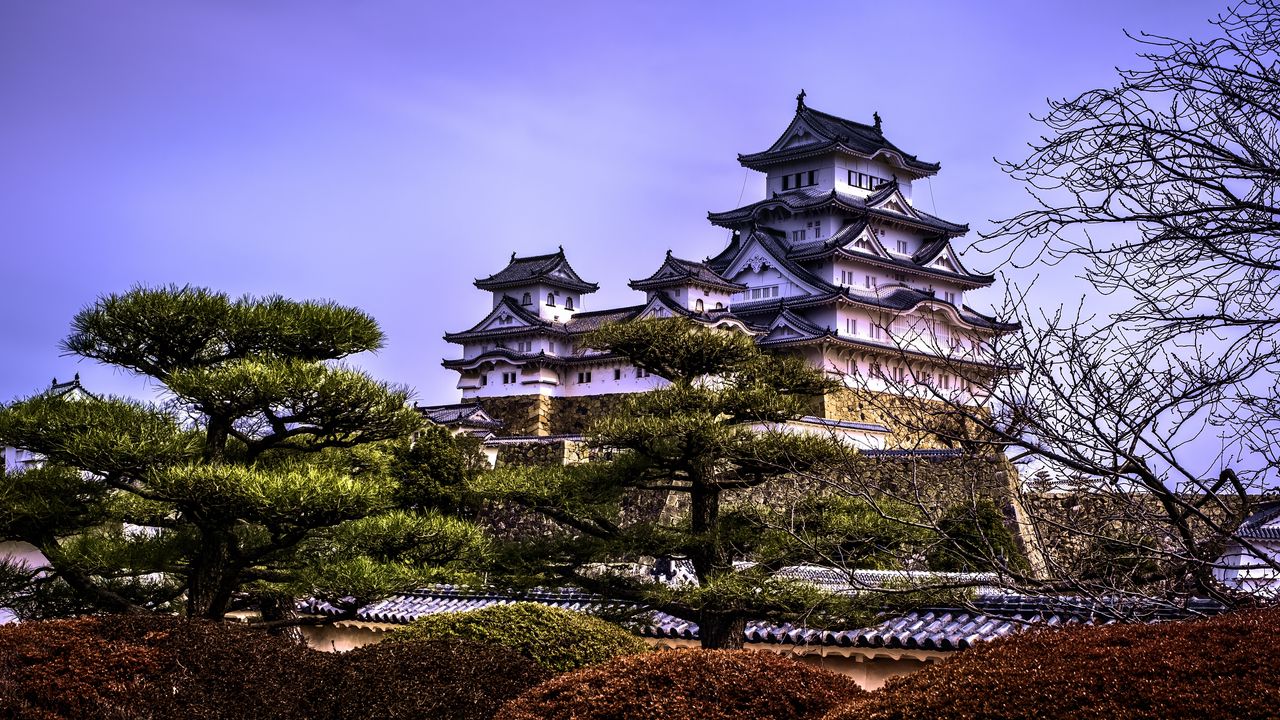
1149	416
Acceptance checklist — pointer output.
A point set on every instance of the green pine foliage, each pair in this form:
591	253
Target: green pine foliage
711	438
558	640
270	469
973	537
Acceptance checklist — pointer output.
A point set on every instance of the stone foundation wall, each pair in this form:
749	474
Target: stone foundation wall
520	414
574	415
913	422
544	415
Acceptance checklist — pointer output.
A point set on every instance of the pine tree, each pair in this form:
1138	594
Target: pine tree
712	437
269	470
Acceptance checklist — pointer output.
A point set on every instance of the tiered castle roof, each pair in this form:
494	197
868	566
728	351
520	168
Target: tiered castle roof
886	205
775	279
813	133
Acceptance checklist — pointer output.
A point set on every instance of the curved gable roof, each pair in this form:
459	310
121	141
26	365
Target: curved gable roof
809	199
676	271
552	269
831	133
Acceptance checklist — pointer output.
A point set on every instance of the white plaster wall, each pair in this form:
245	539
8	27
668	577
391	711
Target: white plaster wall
765	277
879	169
1247	571
825	167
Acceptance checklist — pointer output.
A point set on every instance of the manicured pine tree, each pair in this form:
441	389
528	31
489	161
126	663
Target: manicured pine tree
269	471
712	438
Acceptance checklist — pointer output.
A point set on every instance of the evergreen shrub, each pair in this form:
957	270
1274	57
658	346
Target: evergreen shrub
1222	667
687	685
559	640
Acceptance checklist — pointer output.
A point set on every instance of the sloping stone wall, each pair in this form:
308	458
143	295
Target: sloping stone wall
573	415
520	414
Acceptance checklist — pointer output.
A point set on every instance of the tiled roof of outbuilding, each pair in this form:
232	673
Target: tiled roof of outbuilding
1264	524
468	414
939	629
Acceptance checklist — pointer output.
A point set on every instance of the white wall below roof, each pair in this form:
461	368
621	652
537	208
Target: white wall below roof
538	301
1241	569
566	381
852	437
881	170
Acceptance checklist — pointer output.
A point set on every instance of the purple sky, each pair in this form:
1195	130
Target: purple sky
384	154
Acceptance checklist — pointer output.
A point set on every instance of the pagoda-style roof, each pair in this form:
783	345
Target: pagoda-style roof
893	298
677	272
871	207
507	318
936	257
552	269
772	251
832	338
813	133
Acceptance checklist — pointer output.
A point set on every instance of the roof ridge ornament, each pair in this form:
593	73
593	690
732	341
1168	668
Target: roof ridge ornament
875	117
800	101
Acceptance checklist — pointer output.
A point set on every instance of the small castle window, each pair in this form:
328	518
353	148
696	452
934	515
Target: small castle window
568	302
527	299
551	299
642	373
584	378
698	306
617	373
719	305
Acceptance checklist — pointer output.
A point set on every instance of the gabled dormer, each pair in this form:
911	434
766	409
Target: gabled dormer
544	284
938	255
692	285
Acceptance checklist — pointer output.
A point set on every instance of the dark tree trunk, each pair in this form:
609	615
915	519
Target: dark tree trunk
721	631
208	586
708	556
279	608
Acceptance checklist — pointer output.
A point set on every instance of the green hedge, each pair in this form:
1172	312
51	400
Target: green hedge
687	685
1223	667
559	640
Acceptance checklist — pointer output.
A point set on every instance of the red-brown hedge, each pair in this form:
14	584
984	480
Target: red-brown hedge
437	679
687	685
141	667
156	667
1223	667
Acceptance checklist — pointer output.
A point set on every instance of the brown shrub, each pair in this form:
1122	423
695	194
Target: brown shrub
687	685
1223	667
156	667
438	679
